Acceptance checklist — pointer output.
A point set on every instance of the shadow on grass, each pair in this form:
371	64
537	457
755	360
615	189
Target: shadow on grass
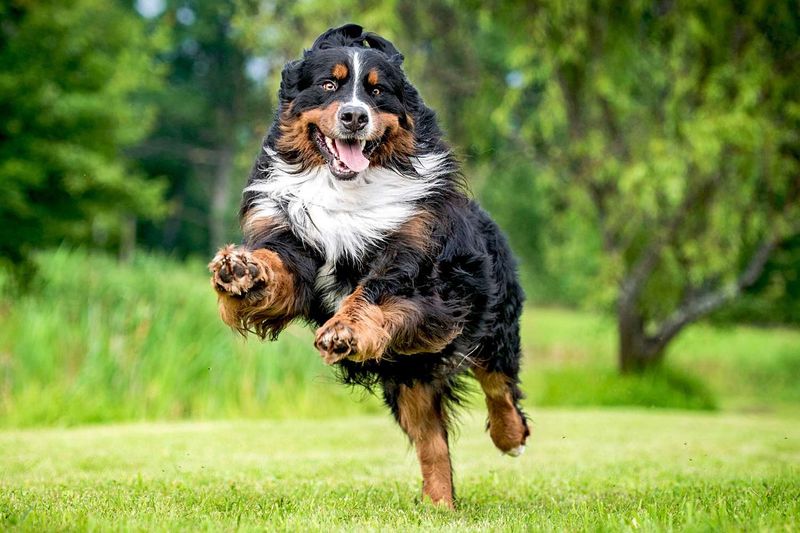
663	387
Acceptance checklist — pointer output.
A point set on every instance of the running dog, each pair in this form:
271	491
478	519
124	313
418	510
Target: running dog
355	219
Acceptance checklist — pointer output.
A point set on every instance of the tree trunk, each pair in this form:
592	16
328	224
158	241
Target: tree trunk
639	351
636	352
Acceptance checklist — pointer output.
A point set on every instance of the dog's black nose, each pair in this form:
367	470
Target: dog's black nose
353	118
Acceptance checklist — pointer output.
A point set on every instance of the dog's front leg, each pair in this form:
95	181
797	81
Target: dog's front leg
255	290
358	331
365	328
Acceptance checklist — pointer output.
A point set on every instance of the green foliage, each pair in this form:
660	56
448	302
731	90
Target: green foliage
674	127
69	75
208	118
582	127
775	297
598	470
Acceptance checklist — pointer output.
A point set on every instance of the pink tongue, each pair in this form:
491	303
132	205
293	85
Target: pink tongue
351	155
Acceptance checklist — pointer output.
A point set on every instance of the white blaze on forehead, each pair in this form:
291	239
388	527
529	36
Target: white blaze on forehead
356	76
356	57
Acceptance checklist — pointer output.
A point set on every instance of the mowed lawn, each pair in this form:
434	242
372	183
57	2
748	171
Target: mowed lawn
594	469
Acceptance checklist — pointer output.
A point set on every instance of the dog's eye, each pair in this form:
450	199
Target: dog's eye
329	85
376	91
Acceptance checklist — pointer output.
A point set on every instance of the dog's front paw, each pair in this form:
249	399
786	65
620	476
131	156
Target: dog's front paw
335	341
342	338
234	271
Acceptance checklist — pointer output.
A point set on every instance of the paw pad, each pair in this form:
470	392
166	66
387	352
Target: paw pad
336	342
234	271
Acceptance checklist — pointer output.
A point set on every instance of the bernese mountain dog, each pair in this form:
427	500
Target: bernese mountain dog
355	219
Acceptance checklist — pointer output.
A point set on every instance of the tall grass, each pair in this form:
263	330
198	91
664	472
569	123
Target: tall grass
99	341
96	341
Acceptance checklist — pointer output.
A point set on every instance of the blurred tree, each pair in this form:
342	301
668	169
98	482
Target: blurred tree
70	71
675	127
206	118
775	297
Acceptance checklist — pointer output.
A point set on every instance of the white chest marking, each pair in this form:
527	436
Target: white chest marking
340	218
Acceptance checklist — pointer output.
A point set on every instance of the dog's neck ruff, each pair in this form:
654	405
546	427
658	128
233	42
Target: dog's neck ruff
344	218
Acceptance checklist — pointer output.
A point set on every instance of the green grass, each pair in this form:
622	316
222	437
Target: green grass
590	470
96	341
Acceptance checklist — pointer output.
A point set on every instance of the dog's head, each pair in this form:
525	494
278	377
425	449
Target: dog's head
346	104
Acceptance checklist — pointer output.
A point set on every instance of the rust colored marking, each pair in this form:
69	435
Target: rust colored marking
294	132
398	140
417	230
372	77
257	227
421	418
355	332
405	321
361	330
506	427
339	71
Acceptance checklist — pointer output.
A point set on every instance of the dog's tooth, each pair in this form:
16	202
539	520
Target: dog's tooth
363	143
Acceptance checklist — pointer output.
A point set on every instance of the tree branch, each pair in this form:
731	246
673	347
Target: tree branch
703	304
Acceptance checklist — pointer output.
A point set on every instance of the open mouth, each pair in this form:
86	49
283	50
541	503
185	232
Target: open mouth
345	157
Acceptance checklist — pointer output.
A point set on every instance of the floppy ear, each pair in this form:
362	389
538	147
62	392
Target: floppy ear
290	81
342	36
383	45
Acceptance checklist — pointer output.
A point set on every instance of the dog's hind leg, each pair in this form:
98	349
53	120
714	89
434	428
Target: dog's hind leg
507	424
419	411
497	365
